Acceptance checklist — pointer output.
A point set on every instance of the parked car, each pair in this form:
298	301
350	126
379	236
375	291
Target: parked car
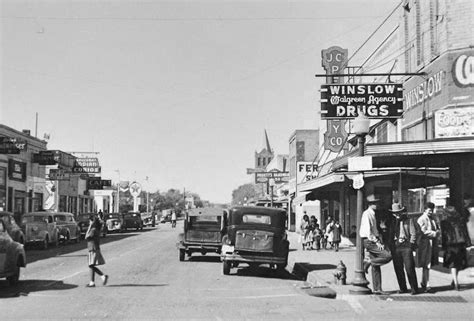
114	222
68	228
202	231
132	220
12	228
12	256
83	222
255	235
148	219
40	227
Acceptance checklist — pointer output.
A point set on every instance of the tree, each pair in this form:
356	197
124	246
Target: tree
249	191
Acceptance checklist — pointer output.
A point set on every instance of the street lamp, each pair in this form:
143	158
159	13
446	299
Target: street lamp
272	183
118	192
360	127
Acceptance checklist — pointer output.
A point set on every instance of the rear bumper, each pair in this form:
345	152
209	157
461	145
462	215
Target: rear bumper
247	258
200	247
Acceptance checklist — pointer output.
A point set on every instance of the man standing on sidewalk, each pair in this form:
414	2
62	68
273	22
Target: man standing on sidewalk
372	241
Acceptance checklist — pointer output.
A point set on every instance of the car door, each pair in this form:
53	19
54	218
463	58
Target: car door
5	241
72	226
51	227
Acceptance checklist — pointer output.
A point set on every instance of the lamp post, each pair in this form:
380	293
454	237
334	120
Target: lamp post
272	183
360	127
118	192
147	196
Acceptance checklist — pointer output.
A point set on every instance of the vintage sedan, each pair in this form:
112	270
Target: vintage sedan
68	228
12	256
83	222
132	220
12	228
40	227
114	222
202	231
255	235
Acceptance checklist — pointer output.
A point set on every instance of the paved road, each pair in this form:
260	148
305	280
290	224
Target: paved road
148	281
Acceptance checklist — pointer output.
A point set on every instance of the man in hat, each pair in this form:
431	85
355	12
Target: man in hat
402	236
373	244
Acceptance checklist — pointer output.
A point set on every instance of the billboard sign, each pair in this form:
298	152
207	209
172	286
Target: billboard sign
377	100
88	165
454	122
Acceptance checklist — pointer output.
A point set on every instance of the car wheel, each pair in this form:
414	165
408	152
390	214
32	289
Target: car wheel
226	267
13	279
281	267
45	244
181	255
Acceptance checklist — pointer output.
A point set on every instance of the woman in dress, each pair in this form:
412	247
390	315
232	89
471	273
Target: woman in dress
95	256
455	240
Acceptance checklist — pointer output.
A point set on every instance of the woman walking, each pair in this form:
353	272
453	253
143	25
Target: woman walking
455	239
95	256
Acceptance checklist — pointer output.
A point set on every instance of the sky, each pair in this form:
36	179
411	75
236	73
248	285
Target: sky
177	91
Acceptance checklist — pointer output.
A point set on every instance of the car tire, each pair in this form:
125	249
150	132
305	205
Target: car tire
45	243
226	267
13	279
181	255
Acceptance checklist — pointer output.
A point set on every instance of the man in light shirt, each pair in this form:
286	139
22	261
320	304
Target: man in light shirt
373	244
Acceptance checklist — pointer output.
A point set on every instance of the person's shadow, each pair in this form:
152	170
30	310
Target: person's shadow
25	287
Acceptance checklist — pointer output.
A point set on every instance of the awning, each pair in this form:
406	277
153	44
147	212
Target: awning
301	198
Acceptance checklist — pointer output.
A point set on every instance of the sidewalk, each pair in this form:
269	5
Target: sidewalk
318	267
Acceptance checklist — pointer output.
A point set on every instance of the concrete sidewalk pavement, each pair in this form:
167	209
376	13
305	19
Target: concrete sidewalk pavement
318	267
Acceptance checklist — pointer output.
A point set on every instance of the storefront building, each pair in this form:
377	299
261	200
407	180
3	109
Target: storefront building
428	154
21	181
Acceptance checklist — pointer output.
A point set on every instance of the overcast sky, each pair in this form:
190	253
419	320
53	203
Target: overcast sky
178	91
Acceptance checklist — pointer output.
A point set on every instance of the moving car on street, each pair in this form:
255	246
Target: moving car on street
12	228
148	219
255	235
132	220
68	228
40	227
114	222
12	256
202	231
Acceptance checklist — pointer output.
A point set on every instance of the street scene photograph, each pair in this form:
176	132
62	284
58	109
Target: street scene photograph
237	160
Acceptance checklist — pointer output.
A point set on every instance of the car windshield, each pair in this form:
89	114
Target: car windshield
132	215
256	219
205	220
111	216
83	217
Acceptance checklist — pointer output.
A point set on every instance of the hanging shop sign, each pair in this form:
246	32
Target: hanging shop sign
10	145
17	170
98	183
358	181
47	157
336	135
334	61
454	123
135	189
279	177
383	100
88	165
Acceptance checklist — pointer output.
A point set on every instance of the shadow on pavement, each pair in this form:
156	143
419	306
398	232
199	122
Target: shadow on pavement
264	272
301	269
28	286
205	258
134	285
448	287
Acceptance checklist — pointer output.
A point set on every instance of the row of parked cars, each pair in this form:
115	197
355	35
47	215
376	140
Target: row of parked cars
245	234
50	228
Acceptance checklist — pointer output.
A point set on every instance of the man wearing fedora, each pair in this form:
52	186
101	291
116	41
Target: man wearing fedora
373	244
402	236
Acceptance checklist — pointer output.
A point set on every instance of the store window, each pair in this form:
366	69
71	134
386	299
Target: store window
62	203
3	189
38	202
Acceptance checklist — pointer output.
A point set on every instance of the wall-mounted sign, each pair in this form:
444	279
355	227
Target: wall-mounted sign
384	100
425	90
279	177
10	145
358	181
463	71
59	175
47	157
17	170
361	163
455	122
88	165
306	171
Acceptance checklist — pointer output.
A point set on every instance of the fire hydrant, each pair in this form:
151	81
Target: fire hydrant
340	274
